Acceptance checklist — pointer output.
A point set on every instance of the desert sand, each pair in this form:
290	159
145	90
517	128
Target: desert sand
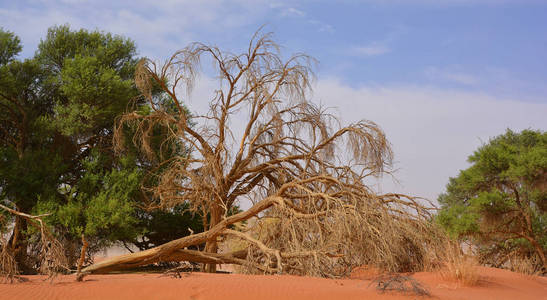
494	284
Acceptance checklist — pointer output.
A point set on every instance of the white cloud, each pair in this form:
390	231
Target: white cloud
451	75
159	27
449	2
322	27
291	11
74	1
432	130
379	47
372	49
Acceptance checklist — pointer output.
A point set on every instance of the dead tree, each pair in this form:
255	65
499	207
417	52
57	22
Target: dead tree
52	258
304	173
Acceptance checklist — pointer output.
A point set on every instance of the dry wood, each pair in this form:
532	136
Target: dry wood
52	257
8	265
305	174
85	244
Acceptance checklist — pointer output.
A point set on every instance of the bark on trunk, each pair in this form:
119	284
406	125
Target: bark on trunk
19	245
211	246
81	261
539	251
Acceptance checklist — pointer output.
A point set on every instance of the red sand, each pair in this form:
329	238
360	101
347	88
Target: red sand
495	284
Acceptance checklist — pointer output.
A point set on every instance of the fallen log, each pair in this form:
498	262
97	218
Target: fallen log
175	250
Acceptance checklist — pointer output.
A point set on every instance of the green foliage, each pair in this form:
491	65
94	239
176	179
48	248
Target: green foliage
501	199
102	205
61	44
459	220
35	174
57	107
87	84
57	113
10	46
110	212
164	225
93	72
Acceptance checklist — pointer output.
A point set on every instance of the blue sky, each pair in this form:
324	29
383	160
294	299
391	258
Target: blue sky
440	76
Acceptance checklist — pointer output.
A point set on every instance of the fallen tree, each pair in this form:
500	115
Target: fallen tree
305	175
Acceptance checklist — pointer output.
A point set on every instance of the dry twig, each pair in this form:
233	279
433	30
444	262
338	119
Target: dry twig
400	283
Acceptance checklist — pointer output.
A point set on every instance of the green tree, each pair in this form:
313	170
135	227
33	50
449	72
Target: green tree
31	164
164	225
10	46
57	111
90	76
57	116
501	199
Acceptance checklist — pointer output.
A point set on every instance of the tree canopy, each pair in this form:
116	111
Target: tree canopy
500	201
57	115
58	110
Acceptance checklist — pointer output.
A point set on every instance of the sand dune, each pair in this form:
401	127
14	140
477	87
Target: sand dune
495	284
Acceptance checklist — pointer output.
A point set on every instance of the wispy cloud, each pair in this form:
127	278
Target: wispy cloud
381	46
451	75
322	27
291	11
372	49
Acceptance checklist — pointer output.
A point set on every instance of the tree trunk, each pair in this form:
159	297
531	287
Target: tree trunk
81	261
19	245
539	251
211	246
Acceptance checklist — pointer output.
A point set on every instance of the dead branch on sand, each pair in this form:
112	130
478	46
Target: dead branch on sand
400	283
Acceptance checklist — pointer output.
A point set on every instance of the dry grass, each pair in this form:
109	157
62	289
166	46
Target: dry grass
459	267
8	266
525	265
343	240
52	258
